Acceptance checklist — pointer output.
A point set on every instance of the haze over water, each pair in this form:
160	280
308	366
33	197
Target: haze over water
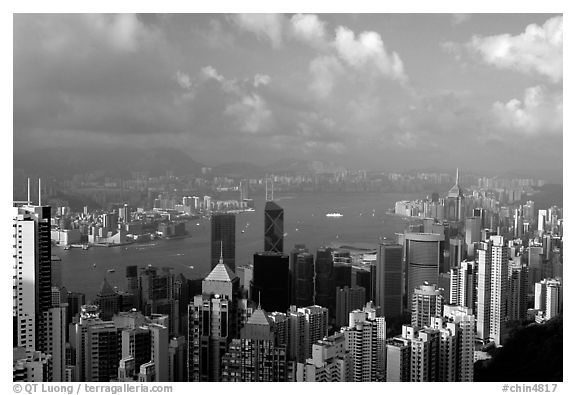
364	220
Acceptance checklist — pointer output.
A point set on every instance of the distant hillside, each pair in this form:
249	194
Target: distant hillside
108	161
548	195
239	169
532	353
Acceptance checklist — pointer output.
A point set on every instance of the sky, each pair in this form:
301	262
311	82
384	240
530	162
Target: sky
482	92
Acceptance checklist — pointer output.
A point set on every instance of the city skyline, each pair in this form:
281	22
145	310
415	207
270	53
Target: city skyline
288	197
371	90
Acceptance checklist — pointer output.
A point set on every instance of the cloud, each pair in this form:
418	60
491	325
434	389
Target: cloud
368	51
537	50
458	19
261	79
325	71
265	26
251	112
308	28
538	112
183	80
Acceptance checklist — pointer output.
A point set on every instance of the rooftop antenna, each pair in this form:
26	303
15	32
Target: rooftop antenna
28	190
221	255
456	176
39	192
259	308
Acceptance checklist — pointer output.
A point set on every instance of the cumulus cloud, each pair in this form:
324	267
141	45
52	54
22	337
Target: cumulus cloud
539	111
368	51
261	79
325	72
537	50
183	80
265	26
251	112
308	28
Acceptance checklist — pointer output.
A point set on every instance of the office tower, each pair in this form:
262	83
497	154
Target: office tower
255	356
132	286
330	362
75	301
101	352
108	301
518	223
159	351
243	190
342	275
424	256
271	284
246	275
365	276
273	228
124	214
454	203
160	291
472	234
136	344
457	250
517	291
223	240
212	323
389	279
465	320
427	303
324	288
177	359
31	367
32	276
366	341
498	288
481	213
348	299
303	279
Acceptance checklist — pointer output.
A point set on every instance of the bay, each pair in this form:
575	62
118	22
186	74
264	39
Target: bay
364	219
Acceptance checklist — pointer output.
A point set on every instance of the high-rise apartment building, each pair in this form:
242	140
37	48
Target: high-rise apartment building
463	284
330	361
223	240
389	280
273	227
366	341
32	277
517	301
547	299
427	301
498	288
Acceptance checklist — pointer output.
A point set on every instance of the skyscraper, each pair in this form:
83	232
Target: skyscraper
256	355
366	341
223	240
498	288
303	279
324	288
424	257
212	323
454	203
348	299
273	227
32	277
271	284
517	291
427	303
389	279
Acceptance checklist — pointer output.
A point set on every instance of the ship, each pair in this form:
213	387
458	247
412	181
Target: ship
334	215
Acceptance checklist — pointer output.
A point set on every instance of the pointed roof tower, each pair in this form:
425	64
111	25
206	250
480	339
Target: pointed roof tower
456	191
106	289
